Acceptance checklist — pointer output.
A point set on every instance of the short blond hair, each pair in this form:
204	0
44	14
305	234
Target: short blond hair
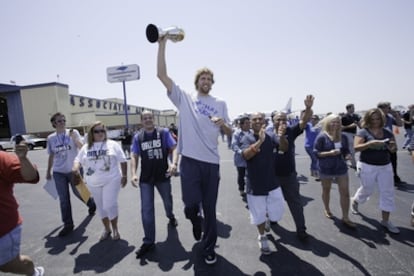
200	72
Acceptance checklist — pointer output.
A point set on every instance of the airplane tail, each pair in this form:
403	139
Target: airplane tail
288	107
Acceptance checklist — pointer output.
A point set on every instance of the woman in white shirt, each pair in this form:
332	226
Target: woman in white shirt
105	172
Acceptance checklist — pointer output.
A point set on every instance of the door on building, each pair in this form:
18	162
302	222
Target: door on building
4	119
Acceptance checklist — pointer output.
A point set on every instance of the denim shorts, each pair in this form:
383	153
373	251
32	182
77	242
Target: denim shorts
10	245
331	176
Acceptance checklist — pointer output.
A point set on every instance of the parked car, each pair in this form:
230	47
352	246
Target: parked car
6	145
32	141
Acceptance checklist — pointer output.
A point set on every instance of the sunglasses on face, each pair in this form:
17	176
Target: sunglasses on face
96	131
61	121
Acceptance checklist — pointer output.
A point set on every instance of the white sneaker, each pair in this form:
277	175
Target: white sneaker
264	245
267	225
354	207
390	227
39	271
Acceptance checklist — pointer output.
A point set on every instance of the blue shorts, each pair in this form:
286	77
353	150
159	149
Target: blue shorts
10	245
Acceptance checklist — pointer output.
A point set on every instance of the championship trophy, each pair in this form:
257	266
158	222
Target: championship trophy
174	34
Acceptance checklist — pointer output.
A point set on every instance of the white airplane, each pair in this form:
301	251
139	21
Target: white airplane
288	107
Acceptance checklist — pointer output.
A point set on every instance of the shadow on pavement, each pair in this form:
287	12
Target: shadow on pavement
58	244
170	251
103	256
167	253
317	247
285	262
406	187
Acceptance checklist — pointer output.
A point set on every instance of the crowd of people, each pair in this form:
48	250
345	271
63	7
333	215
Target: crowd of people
264	157
331	144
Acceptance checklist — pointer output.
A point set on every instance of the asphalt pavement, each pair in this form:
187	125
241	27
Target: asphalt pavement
332	249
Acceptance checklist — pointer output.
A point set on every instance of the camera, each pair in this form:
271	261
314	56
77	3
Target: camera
18	138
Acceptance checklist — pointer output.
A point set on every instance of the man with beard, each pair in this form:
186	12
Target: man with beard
202	116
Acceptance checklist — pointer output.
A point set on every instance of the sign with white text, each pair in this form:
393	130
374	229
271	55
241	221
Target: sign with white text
122	73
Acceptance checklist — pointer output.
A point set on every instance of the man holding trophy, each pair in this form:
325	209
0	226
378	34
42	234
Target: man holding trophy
202	116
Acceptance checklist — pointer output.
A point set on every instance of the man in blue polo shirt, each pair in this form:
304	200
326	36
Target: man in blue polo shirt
264	196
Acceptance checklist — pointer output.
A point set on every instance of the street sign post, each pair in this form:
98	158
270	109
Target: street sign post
122	74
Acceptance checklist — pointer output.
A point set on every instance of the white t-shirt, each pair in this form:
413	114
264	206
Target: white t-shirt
198	135
64	149
101	163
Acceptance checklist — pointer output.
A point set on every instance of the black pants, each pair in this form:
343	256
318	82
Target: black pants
241	173
394	162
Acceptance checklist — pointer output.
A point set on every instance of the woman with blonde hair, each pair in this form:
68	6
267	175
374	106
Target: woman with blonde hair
105	168
331	148
375	142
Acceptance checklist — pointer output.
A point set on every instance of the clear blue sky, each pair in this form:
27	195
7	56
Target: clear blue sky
262	52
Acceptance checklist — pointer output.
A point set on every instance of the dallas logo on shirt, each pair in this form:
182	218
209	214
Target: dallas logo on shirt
153	149
61	148
96	153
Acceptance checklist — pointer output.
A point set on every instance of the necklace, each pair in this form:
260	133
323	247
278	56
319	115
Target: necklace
102	153
99	151
61	138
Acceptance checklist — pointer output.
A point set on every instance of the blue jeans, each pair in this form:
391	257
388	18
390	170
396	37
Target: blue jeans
148	209
408	137
314	160
63	181
199	184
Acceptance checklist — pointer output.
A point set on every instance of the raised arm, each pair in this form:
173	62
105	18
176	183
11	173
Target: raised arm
162	66
307	113
28	171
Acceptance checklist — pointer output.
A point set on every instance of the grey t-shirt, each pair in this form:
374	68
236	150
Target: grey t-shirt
64	150
198	135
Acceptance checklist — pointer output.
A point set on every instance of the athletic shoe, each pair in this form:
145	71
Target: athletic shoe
173	222
66	231
92	209
354	207
267	225
264	245
390	227
197	228
397	179
302	235
210	258
39	271
145	248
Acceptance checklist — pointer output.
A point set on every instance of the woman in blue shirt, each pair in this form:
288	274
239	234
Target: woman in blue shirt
331	147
